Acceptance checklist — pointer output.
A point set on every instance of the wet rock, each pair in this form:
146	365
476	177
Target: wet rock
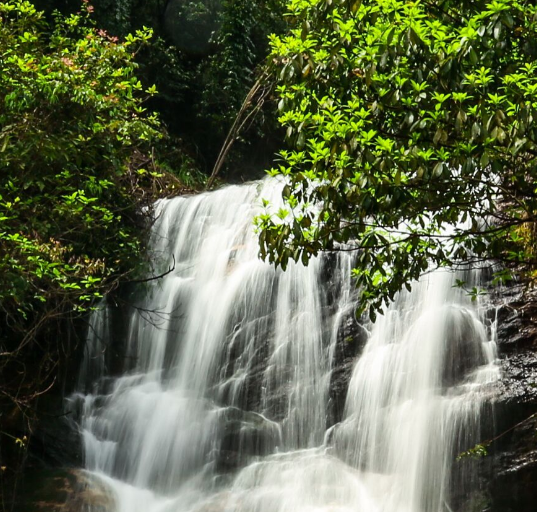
352	337
517	350
246	353
463	352
63	491
519	379
514	478
511	468
517	319
246	435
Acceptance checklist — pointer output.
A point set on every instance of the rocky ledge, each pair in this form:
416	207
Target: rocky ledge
511	471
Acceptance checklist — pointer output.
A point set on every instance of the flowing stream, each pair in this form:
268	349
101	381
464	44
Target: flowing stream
241	388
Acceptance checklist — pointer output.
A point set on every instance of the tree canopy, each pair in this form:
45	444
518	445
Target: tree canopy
411	129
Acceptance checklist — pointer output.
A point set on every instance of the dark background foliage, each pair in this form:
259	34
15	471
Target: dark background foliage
204	58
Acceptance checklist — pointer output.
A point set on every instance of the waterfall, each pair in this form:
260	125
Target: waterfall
223	398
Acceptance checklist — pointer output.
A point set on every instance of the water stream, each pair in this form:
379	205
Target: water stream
230	394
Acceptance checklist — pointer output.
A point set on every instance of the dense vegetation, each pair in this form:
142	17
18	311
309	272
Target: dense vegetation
83	157
412	136
203	59
78	176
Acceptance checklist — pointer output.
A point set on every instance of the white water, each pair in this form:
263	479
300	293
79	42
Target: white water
223	401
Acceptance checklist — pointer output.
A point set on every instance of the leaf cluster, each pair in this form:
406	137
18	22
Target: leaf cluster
411	132
72	121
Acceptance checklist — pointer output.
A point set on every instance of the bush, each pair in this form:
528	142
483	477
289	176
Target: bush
75	184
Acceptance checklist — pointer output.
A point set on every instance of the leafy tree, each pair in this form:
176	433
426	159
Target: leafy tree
76	179
412	136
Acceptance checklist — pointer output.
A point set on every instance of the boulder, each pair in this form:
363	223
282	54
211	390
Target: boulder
63	491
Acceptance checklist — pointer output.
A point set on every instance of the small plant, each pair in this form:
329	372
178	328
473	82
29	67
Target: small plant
477	452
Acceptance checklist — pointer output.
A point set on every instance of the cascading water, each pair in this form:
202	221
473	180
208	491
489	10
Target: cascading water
223	399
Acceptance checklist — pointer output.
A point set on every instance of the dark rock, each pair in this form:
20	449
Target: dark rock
510	471
352	337
516	314
56	443
63	491
463	351
514	480
519	378
245	435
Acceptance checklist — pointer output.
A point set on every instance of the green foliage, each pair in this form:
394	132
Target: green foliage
412	136
74	142
477	452
219	81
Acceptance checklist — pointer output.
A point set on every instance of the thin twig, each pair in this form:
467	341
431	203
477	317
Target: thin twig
236	128
154	278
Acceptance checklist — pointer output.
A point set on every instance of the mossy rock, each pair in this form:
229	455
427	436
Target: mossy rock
70	490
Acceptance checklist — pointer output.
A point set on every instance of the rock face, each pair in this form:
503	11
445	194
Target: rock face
249	431
512	471
63	491
56	443
352	338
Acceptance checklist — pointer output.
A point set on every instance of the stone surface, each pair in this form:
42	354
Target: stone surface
246	435
352	337
513	486
62	491
511	472
56	443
